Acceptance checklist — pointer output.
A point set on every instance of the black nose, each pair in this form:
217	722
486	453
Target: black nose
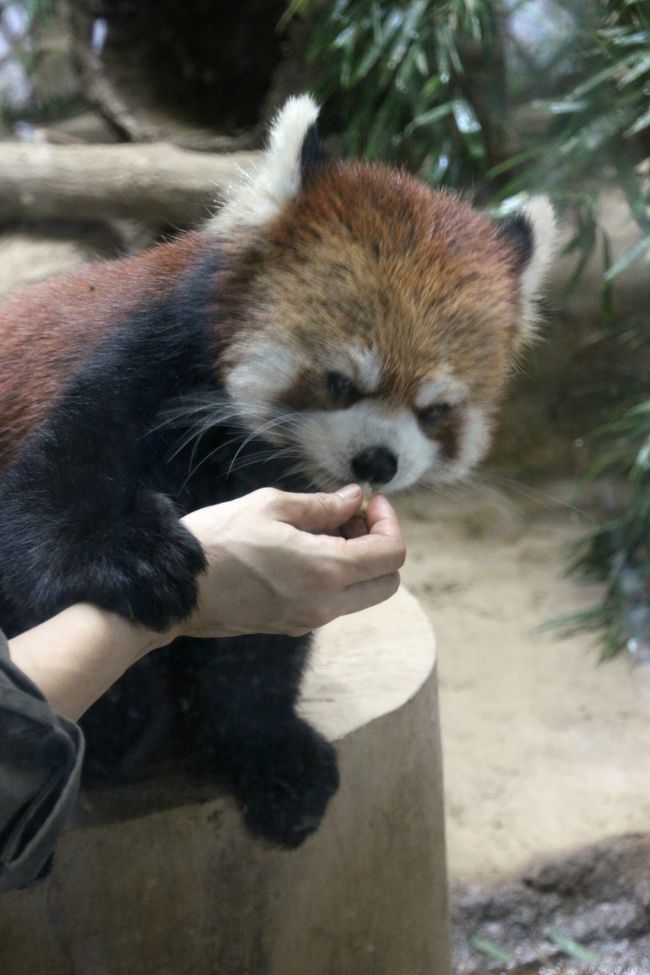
377	464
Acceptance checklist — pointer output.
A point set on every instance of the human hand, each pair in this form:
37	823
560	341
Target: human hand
273	567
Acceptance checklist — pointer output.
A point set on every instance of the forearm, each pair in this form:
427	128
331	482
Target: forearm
75	656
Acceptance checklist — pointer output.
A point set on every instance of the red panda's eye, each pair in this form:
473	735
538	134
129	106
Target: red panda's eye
434	414
341	389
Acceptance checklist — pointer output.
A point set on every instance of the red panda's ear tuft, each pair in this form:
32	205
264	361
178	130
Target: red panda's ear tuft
532	236
517	232
289	160
312	155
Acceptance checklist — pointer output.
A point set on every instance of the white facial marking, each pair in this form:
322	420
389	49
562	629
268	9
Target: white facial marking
368	369
363	366
475	440
330	440
263	371
440	390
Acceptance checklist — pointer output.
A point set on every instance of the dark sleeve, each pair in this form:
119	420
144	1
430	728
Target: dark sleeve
40	764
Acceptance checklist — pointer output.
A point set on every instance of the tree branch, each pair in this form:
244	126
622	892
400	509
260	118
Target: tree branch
154	183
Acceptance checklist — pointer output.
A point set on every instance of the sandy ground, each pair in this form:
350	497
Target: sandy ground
545	750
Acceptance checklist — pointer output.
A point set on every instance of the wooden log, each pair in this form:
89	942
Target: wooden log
155	184
186	890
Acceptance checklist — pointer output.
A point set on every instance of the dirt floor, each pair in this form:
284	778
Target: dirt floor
545	749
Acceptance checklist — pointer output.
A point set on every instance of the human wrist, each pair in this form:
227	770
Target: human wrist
75	656
129	641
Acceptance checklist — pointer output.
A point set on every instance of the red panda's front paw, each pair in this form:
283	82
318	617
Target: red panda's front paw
155	565
132	557
286	783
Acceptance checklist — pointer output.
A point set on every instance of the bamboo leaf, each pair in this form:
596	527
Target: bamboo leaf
634	255
636	70
429	118
465	116
563	106
421	62
407	32
621	37
294	7
641	123
346	38
572	948
382	36
606	74
490	950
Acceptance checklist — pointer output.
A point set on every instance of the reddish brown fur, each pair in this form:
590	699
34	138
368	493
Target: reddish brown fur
364	255
48	329
447	434
417	274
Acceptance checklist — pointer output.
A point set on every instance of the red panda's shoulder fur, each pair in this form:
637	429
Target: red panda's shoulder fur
47	330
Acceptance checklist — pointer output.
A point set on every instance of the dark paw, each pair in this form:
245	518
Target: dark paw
287	783
135	559
155	564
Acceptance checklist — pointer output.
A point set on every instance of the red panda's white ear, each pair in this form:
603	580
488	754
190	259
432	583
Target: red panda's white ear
540	214
263	193
533	236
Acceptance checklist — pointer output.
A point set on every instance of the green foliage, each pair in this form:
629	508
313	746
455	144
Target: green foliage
399	72
598	130
571	948
490	950
617	552
599	134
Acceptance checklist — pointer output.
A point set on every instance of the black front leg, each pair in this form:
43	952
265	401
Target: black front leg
77	520
281	770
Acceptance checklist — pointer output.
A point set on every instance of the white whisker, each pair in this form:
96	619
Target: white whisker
544	499
263	428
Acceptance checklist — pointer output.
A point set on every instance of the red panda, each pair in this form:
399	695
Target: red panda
334	321
384	313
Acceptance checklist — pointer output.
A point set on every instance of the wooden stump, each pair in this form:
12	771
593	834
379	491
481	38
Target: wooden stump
185	890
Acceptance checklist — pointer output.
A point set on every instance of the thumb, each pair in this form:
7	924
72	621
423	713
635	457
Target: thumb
321	512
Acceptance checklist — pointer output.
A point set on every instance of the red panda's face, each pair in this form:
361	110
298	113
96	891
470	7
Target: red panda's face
378	322
335	422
